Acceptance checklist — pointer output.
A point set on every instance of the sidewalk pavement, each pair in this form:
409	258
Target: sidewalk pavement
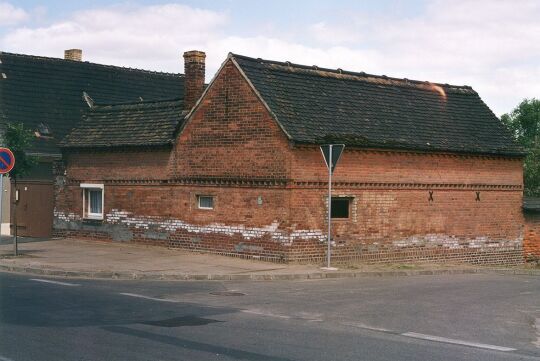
8	239
92	259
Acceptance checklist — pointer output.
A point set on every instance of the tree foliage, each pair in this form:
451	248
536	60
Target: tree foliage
18	139
524	122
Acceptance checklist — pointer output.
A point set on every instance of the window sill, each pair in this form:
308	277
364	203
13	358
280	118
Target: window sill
92	221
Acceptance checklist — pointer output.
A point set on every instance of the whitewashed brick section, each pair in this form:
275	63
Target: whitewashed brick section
171	225
122	217
453	242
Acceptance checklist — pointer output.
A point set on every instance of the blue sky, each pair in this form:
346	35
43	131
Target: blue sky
492	45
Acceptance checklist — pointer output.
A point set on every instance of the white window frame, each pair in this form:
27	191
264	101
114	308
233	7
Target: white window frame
86	204
199	196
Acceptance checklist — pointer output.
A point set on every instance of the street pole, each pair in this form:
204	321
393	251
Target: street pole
329	204
328	151
1	201
15	241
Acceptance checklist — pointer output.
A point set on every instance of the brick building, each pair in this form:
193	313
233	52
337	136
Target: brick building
48	95
428	173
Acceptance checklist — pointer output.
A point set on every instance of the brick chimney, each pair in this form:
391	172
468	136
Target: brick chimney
73	54
194	77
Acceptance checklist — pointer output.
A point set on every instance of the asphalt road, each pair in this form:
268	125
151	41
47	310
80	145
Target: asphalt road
460	317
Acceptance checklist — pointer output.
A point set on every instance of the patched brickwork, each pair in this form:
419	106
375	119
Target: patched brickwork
270	196
531	240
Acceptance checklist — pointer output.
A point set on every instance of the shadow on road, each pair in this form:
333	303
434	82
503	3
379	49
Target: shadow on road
194	345
29	303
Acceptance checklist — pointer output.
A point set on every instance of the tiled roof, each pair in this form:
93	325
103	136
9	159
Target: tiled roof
531	204
315	105
123	125
36	90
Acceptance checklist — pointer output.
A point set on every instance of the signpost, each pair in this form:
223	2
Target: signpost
331	154
7	162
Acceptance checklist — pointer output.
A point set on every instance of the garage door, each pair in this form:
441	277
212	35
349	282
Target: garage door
35	208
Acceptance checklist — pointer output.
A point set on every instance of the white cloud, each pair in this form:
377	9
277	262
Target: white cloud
492	45
333	34
152	36
11	15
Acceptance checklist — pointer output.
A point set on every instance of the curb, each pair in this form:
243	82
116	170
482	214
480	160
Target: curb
106	275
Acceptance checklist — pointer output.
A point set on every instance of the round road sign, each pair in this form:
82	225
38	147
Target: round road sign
7	160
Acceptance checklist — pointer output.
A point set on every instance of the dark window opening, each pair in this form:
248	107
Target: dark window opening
341	207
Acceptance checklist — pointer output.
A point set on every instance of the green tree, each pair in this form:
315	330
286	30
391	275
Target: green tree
18	139
524	122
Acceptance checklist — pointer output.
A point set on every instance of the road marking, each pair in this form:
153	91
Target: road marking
302	316
147	297
457	342
264	313
2	358
366	327
537	326
54	282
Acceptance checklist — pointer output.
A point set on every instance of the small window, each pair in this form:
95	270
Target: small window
206	202
340	208
92	201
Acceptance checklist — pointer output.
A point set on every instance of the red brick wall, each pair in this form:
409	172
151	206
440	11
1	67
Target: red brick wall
391	192
391	210
406	167
385	215
531	240
169	215
231	135
141	164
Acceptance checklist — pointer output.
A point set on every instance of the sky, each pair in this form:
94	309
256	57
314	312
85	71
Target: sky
491	45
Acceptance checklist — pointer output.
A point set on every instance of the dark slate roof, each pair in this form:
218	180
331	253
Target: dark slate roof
123	125
44	90
315	105
531	204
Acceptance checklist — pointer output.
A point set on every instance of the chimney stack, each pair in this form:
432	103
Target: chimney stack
194	67
73	54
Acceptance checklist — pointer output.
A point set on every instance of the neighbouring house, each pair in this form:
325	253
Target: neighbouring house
429	173
531	239
48	95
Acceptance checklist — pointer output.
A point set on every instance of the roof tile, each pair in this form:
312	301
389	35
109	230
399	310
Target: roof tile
136	124
316	105
49	90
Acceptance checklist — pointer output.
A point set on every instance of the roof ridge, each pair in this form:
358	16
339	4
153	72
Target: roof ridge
362	75
50	58
139	102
